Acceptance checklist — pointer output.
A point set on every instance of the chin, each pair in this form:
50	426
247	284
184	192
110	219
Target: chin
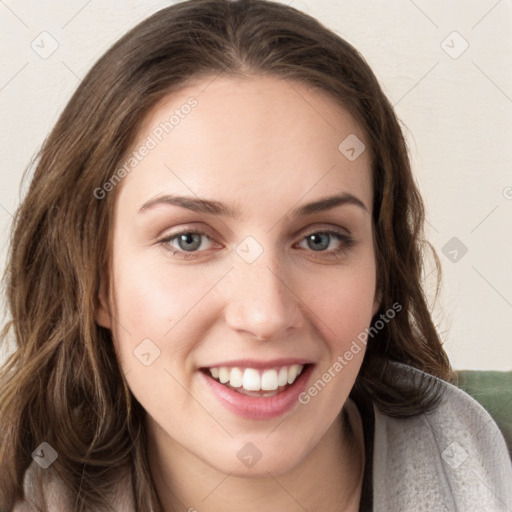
259	455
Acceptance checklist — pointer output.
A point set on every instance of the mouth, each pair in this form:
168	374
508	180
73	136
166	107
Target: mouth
256	382
257	393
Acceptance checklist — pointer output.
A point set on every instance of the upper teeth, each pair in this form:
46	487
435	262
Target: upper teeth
256	380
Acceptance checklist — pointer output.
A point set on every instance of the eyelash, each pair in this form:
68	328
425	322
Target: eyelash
346	241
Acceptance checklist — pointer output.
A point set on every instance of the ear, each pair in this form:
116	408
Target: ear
102	307
376	302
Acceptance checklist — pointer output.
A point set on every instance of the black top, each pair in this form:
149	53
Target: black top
365	407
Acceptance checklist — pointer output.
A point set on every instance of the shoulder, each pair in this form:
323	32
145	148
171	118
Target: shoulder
45	490
453	457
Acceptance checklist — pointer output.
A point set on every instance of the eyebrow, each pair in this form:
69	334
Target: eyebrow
217	208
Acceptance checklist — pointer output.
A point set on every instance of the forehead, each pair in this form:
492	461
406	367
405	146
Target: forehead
250	139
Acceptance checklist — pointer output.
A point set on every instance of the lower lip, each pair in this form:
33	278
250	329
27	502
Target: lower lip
259	408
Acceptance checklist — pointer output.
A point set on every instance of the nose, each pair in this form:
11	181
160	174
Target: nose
261	300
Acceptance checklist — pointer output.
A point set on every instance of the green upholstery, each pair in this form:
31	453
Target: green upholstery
493	390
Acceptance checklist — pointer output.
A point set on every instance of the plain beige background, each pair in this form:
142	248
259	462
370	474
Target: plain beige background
444	65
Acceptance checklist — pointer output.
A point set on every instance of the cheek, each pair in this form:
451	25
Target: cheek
156	313
342	307
151	298
342	301
154	295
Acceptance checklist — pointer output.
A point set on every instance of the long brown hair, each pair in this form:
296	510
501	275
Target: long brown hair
63	384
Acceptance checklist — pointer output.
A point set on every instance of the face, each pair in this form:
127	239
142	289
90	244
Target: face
251	288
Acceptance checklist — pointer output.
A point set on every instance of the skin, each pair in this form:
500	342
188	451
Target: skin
265	146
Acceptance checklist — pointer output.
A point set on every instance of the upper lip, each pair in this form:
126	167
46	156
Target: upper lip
259	364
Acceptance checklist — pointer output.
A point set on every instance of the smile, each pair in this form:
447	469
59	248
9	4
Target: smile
251	380
257	393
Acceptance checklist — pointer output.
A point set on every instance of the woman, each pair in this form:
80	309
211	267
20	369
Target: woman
215	289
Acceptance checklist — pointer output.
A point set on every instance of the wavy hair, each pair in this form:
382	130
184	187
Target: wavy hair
62	383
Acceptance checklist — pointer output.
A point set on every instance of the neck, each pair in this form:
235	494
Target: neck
335	466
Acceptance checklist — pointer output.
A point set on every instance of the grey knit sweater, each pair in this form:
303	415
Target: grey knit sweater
452	459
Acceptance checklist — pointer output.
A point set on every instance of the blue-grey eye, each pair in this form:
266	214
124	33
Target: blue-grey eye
189	241
319	241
